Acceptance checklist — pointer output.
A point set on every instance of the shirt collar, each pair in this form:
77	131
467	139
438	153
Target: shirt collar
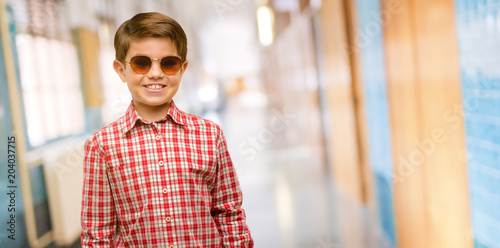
131	117
177	115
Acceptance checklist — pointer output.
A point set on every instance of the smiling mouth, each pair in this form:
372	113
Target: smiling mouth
155	86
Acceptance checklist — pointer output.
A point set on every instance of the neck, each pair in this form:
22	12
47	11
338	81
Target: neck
152	113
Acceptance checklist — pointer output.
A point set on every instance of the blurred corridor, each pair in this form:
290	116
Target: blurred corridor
351	123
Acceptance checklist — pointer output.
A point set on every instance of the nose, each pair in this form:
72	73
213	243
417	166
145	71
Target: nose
155	70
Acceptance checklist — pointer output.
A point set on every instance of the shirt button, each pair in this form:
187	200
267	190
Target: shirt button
167	219
164	191
171	246
158	137
161	163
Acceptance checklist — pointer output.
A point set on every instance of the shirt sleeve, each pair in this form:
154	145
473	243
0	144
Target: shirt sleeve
98	217
226	201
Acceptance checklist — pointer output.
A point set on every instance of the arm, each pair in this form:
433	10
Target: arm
226	202
98	217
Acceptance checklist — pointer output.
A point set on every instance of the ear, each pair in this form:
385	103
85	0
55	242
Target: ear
184	67
119	69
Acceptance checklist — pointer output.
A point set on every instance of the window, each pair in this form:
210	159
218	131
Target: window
50	84
49	72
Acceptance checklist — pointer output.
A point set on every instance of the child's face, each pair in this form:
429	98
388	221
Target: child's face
154	88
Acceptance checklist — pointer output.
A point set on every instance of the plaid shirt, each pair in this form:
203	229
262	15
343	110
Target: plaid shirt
168	183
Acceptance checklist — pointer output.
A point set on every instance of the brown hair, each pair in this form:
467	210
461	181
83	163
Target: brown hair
146	25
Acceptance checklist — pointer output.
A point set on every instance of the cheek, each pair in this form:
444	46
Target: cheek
133	82
134	78
175	80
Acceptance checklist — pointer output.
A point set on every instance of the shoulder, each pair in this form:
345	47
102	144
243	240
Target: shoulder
197	123
108	133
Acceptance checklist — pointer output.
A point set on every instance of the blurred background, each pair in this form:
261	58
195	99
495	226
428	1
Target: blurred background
351	123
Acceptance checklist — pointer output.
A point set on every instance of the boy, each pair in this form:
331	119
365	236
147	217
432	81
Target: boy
158	177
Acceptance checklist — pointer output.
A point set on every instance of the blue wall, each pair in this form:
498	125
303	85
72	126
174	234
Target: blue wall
371	49
6	130
478	31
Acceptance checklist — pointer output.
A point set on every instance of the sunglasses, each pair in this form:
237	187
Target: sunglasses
142	64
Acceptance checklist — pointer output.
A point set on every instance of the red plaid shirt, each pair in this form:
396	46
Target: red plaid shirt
168	183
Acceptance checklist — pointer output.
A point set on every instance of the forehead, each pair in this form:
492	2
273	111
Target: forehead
152	46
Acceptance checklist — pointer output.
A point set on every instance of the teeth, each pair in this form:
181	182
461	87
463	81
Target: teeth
154	86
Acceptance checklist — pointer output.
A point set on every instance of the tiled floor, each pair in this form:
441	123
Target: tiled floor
288	197
290	203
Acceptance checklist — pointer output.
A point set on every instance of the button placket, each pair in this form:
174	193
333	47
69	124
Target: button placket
164	163
164	186
158	135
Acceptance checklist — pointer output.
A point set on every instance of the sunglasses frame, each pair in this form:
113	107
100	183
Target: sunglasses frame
152	60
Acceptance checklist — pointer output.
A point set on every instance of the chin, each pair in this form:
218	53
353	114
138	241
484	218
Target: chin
160	103
153	103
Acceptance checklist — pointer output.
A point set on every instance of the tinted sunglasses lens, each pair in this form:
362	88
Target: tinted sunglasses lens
140	64
170	65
